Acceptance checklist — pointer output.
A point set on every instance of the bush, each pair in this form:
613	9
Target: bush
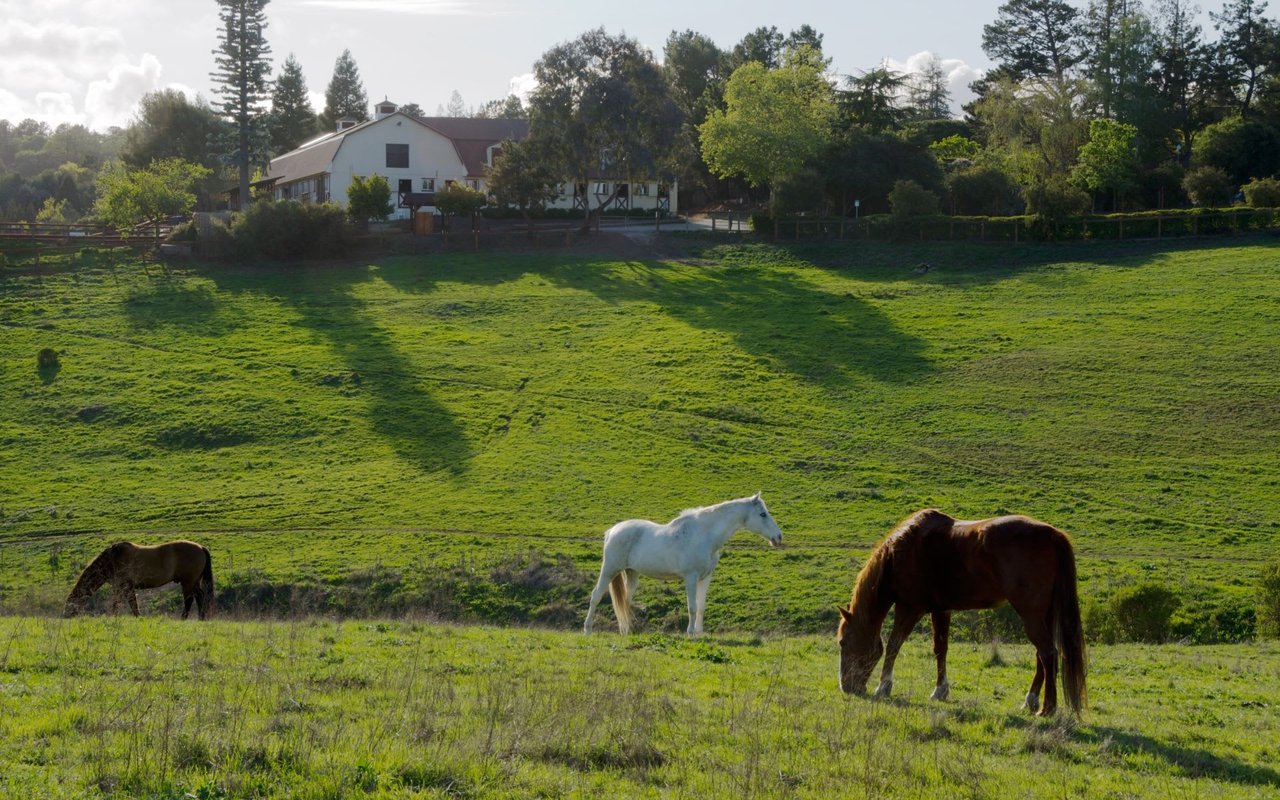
1268	611
1243	149
369	199
288	230
1133	614
1262	193
1053	202
186	232
761	223
1208	187
47	359
981	190
910	199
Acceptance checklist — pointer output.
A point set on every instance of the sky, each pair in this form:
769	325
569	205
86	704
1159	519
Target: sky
90	61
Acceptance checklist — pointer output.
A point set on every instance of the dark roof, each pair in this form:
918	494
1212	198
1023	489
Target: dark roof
313	158
472	137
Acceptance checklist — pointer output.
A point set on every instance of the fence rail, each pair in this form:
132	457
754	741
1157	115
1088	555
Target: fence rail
91	235
1016	229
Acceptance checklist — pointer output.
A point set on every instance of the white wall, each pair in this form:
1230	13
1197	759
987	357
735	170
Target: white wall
365	153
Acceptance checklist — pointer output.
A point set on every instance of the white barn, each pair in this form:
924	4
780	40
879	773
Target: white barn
418	155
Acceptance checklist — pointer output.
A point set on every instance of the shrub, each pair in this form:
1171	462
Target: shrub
761	223
1133	614
1268	611
369	198
1208	187
1262	193
1243	149
1052	202
910	199
287	230
981	190
47	359
186	232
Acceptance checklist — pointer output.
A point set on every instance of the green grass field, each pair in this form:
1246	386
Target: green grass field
151	708
455	432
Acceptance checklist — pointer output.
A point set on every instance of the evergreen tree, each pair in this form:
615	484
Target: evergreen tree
345	96
241	78
293	120
457	108
1246	47
1034	39
927	94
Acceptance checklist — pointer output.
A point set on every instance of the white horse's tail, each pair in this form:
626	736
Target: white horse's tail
621	601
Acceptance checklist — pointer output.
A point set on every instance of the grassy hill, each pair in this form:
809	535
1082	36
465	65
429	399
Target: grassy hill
455	432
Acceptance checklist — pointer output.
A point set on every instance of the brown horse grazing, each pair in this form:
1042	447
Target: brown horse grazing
129	566
934	564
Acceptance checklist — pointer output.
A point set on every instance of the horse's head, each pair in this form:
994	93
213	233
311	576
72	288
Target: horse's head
860	649
760	521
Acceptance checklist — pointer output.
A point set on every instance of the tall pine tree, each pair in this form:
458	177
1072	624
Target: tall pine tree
345	96
241	79
292	118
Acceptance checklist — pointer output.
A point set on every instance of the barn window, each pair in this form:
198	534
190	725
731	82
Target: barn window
397	156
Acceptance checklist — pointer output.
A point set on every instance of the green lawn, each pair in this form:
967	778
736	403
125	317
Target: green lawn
152	708
464	427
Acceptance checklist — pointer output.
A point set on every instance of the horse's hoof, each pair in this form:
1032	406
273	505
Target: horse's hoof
1031	704
884	690
941	691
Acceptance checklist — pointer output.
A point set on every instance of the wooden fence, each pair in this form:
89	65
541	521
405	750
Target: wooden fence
1016	229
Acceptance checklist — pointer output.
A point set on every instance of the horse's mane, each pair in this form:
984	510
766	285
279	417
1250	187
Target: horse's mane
689	514
100	569
867	587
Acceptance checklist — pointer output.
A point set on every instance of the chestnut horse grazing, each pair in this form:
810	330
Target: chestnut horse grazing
127	566
934	564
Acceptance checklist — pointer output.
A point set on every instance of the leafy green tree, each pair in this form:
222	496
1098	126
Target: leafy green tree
131	197
696	71
775	122
345	96
1109	160
1053	200
241	80
955	147
369	199
1262	193
520	178
981	189
412	109
1208	187
293	120
1034	39
762	46
602	105
1242	148
910	199
53	211
458	200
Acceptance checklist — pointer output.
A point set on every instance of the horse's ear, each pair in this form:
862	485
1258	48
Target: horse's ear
846	613
757	497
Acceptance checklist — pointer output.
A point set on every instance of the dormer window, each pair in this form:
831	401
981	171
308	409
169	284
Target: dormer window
387	108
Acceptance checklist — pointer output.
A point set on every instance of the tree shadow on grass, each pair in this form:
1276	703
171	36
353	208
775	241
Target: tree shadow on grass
1187	762
401	408
775	315
193	308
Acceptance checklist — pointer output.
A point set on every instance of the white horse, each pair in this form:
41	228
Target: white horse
687	547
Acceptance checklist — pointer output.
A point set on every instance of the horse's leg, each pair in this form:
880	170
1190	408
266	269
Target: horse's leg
133	599
188	595
691	595
1041	636
941	628
602	586
903	621
702	601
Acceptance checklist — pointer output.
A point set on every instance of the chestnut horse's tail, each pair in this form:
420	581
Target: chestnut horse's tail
206	582
621	601
1068	631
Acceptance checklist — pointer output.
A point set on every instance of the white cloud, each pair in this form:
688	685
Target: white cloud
959	74
112	101
523	85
